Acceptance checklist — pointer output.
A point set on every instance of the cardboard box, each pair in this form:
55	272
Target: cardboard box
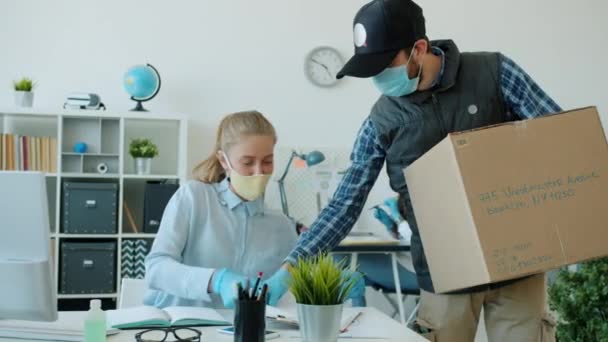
514	199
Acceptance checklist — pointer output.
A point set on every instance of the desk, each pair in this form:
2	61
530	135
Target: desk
379	248
372	323
371	317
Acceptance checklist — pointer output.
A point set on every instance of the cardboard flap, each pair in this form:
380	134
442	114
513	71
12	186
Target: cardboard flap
523	122
447	224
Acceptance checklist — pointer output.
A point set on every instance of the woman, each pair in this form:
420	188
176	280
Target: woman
215	230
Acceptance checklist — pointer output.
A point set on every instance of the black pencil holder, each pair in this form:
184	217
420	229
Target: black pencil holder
249	321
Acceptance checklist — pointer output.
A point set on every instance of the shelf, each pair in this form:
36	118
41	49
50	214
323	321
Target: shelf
30	125
87	236
164	134
133	176
87	295
105	114
90	154
138	235
89	175
46	174
107	135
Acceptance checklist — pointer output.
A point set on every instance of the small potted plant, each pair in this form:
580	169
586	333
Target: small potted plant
143	150
320	286
24	96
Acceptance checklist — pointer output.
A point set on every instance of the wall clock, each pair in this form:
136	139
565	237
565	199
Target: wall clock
321	66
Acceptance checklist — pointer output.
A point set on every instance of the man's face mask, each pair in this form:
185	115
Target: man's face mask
249	188
395	81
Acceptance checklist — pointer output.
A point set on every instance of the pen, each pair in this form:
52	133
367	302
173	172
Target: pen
239	289
351	322
246	291
262	296
257	283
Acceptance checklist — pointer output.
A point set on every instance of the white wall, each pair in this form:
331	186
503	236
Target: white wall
217	57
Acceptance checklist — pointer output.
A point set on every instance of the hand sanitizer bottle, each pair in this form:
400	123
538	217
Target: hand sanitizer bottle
95	323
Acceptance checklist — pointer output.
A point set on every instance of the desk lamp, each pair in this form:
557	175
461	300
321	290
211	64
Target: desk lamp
312	158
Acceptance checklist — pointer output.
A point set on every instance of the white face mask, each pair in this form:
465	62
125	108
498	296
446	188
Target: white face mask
249	188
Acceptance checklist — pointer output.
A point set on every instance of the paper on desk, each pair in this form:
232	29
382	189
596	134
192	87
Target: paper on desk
286	312
69	326
363	327
369	239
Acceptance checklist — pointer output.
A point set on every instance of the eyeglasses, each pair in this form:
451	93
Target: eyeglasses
161	335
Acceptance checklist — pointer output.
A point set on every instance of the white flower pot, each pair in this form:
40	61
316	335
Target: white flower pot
319	323
24	98
143	166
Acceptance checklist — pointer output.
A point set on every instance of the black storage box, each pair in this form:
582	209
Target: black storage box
90	208
156	197
87	267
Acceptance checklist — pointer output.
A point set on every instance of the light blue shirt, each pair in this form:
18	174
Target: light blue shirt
205	227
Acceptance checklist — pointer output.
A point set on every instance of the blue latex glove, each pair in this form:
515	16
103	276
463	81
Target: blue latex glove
222	283
393	204
386	219
277	286
357	292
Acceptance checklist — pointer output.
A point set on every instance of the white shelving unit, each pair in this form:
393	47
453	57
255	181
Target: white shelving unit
107	135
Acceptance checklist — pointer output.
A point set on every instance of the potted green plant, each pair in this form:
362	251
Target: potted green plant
24	96
143	150
580	301
320	286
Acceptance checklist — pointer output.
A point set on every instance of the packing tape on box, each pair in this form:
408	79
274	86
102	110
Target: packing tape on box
102	168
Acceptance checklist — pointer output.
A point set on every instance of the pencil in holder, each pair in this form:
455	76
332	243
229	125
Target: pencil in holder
249	320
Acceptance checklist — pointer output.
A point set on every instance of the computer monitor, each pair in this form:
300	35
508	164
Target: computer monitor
27	289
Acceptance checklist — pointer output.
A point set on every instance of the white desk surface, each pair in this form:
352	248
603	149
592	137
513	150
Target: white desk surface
382	324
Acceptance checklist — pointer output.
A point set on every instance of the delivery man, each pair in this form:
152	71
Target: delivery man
429	89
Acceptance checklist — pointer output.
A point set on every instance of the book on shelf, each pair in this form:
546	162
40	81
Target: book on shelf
26	153
130	218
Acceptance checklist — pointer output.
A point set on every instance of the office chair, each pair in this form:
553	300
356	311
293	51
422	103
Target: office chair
378	274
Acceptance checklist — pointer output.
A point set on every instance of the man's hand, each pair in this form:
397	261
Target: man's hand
357	291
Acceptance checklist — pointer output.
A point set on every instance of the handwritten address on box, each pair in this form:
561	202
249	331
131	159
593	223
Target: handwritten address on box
531	195
510	260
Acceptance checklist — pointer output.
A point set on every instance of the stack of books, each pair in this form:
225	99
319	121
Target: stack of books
68	327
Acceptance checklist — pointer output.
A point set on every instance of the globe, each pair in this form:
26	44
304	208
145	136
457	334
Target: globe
142	82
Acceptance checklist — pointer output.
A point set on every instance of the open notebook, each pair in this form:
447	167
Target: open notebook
174	316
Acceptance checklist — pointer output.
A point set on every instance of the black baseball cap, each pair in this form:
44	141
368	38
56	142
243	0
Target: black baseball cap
381	28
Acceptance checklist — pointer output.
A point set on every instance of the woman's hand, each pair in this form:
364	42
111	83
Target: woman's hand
223	283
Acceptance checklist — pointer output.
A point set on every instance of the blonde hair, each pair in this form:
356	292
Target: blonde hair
232	128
